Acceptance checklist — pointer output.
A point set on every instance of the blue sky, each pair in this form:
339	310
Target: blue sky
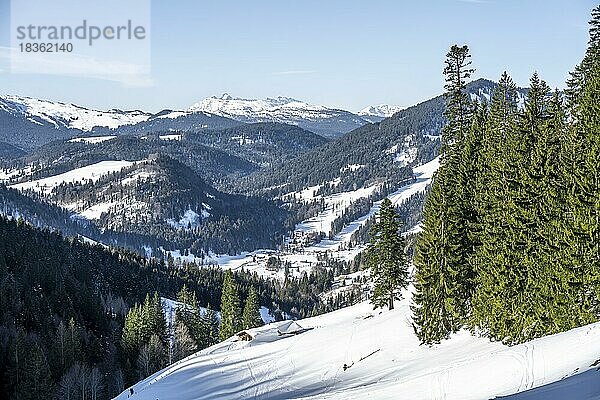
342	53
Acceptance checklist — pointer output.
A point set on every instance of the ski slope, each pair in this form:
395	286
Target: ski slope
423	175
385	359
336	204
337	247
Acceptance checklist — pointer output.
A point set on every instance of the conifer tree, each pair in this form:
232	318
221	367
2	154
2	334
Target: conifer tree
492	200
528	297
231	313
459	110
523	287
158	321
146	319
444	274
467	189
385	257
185	295
251	316
190	314
584	70
434	310
584	199
131	338
73	343
210	327
556	152
142	322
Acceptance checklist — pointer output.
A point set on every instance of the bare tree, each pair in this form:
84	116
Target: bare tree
183	345
143	362
96	384
69	383
61	338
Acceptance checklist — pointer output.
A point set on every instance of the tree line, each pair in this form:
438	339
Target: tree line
511	237
70	327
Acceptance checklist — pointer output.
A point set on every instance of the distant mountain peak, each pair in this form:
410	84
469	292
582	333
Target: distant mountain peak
377	113
380	110
319	119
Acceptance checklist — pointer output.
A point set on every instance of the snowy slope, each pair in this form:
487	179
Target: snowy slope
336	247
69	115
385	358
583	386
91	172
335	206
92	139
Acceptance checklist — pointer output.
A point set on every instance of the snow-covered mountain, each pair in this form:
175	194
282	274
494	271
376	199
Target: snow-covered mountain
152	196
319	119
69	115
379	112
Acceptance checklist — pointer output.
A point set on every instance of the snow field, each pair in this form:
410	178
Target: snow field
75	116
91	172
385	359
92	139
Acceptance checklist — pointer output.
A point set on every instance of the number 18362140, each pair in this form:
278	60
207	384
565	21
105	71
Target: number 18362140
46	47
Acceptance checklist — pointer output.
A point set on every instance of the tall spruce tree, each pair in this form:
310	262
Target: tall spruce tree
210	328
190	315
525	283
231	313
584	198
532	238
529	298
385	257
468	181
444	276
251	316
492	202
132	337
500	252
584	70
158	320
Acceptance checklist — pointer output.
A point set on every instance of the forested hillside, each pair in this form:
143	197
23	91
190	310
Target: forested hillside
383	151
63	305
166	204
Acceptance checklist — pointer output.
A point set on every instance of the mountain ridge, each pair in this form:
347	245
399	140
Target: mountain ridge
323	120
